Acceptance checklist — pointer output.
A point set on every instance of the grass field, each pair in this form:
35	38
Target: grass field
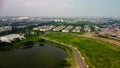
97	54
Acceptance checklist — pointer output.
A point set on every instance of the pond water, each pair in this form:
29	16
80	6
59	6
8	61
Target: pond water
35	57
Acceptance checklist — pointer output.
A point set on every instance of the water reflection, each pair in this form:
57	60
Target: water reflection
32	57
41	44
4	49
27	47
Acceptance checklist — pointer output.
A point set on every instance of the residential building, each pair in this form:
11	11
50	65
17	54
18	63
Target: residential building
87	28
76	29
59	28
67	29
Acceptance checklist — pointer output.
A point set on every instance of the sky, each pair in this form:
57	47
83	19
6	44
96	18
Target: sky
59	8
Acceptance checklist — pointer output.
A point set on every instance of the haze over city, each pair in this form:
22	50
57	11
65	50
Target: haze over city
59	7
59	34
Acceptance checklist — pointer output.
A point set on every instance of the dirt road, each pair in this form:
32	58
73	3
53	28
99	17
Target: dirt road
111	41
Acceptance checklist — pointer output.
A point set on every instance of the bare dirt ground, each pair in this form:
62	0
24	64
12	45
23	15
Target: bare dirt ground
111	41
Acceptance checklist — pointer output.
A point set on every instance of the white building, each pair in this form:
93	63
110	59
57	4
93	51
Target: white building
67	29
76	29
11	37
5	28
87	28
59	28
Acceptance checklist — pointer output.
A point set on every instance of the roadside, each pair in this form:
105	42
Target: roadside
77	56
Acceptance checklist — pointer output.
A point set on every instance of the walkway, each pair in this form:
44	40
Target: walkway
77	56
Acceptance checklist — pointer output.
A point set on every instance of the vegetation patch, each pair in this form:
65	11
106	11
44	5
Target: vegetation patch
25	42
97	54
69	60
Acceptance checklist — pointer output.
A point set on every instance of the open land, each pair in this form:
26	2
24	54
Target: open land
97	54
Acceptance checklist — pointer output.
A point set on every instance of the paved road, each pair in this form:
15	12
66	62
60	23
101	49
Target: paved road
77	56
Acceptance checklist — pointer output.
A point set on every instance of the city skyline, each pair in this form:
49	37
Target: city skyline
59	8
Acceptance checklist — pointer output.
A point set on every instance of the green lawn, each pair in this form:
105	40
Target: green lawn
97	54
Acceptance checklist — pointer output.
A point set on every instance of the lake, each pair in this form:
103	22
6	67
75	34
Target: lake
35	57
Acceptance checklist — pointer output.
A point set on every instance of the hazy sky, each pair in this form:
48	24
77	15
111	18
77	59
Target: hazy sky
59	7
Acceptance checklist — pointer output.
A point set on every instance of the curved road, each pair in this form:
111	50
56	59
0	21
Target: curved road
77	56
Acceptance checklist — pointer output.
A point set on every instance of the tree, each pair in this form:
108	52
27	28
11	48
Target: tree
15	40
3	44
41	40
27	43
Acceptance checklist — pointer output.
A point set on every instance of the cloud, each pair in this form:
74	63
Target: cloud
31	4
38	3
1	4
47	3
59	7
35	7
